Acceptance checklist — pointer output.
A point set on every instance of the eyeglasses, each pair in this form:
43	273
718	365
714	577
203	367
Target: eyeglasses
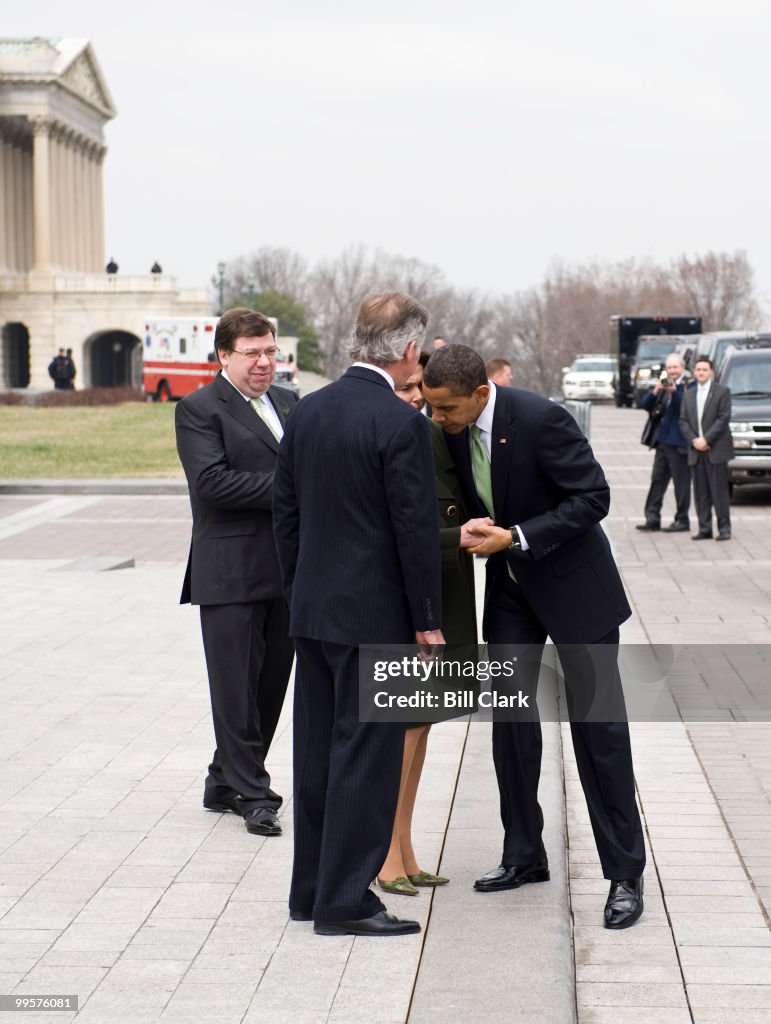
255	353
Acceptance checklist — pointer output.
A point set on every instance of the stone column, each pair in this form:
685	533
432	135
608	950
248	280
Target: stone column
91	208
12	210
99	205
68	191
20	234
41	189
84	228
57	233
77	224
60	199
4	264
27	203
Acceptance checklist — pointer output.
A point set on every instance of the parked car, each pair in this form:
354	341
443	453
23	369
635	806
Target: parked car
589	376
747	373
286	374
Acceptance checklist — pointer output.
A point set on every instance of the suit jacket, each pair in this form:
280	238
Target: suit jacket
229	455
715	423
354	509
459	619
546	481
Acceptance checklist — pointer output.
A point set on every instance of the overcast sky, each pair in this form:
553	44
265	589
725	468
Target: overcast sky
489	137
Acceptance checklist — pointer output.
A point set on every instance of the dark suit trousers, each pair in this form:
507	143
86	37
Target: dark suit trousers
602	748
710	488
248	658
669	463
346	786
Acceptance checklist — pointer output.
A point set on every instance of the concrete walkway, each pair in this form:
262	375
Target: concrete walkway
116	886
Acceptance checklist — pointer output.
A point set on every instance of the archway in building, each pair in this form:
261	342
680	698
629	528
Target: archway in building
15	356
114	359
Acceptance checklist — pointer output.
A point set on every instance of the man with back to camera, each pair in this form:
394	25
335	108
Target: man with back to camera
551	573
705	422
228	435
356	529
670	462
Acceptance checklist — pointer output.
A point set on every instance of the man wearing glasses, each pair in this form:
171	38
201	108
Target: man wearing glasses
228	435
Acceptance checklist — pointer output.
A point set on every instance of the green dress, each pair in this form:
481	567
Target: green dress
459	620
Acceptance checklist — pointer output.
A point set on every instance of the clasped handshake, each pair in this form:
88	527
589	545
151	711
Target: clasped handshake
483	537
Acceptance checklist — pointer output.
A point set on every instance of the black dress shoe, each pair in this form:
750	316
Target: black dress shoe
649	527
262	821
381	923
701	536
512	877
724	535
221	801
300	915
676	528
624	905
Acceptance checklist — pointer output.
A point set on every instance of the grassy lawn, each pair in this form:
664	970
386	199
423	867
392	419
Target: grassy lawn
131	440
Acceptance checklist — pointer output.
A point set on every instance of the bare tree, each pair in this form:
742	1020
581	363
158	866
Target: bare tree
720	289
337	287
267	269
340	284
540	329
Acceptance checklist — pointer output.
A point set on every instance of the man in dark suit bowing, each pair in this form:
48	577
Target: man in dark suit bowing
550	573
228	435
355	523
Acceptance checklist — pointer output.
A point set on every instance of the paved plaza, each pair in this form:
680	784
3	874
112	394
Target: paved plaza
116	886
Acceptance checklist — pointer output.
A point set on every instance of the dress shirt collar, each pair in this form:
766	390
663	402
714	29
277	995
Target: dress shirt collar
230	382
704	388
380	370
247	398
485	419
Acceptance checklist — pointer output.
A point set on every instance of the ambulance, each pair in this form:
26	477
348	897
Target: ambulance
178	357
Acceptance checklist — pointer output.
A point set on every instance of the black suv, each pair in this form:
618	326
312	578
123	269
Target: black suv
648	363
747	373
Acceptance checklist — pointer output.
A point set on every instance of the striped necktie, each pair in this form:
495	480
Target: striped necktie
480	467
483	480
259	407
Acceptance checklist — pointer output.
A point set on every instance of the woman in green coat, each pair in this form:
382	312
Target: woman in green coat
400	872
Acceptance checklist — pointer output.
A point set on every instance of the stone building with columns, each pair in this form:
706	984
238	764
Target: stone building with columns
54	289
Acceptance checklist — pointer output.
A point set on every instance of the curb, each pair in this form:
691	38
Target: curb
94	486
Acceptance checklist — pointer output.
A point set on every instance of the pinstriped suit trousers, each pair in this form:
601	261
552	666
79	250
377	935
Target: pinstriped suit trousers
346	786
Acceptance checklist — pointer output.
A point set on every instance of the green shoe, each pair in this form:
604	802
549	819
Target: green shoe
401	886
426	878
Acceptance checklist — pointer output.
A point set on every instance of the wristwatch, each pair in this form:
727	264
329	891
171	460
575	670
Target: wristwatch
516	543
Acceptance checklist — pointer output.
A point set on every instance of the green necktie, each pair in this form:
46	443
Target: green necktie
259	407
480	467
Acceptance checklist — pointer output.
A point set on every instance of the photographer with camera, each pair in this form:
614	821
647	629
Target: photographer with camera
662	433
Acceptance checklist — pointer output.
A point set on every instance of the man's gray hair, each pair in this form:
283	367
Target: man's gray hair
385	325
